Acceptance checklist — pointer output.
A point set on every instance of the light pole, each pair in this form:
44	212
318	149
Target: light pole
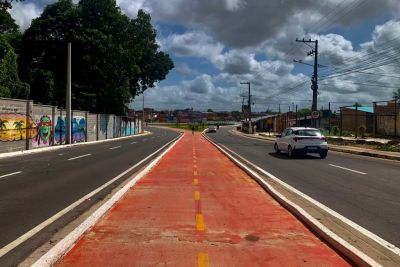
249	106
143	113
68	133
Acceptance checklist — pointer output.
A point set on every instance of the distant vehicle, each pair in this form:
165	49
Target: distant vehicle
301	140
212	129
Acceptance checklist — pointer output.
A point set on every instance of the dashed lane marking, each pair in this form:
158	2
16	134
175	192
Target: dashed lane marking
197	195
347	169
82	156
199	222
202	260
196	181
112	148
10	174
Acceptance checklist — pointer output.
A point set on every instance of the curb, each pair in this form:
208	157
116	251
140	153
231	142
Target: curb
339	244
332	148
67	243
45	149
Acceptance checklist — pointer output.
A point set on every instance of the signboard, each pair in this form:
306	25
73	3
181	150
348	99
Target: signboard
315	114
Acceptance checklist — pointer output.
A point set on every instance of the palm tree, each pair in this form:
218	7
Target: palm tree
3	125
18	126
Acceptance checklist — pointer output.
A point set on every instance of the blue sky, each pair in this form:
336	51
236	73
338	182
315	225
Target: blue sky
217	44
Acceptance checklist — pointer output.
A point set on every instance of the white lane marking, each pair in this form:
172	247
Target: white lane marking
300	210
112	148
4	250
10	174
359	228
347	169
62	247
86	155
133	143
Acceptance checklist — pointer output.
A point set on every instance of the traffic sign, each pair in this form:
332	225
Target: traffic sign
315	114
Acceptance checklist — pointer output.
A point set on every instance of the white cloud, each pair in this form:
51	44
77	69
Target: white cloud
23	13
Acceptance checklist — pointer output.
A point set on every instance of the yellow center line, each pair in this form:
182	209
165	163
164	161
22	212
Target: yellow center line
202	259
199	222
196	181
195	166
197	195
195	172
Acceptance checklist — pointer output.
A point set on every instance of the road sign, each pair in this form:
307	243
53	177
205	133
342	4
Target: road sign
315	114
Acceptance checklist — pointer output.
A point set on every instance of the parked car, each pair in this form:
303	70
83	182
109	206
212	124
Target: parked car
301	140
212	129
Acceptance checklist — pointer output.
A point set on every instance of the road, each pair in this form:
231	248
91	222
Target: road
365	190
35	187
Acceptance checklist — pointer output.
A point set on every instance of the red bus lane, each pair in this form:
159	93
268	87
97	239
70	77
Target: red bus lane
196	208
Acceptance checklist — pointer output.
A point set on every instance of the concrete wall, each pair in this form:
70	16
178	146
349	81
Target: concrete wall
91	127
14	125
24	125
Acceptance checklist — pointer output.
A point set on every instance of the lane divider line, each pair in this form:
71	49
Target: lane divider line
200	222
52	254
112	148
133	143
10	174
86	155
195	173
195	181
339	243
202	260
347	169
197	195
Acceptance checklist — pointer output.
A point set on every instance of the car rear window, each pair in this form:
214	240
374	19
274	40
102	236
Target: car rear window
307	133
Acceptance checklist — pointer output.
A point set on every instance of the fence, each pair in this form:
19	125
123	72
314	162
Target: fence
25	125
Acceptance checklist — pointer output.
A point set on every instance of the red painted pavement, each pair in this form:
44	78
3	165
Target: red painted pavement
230	221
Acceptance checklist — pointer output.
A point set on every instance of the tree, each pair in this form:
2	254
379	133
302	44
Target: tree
304	112
210	110
114	58
6	4
396	95
10	84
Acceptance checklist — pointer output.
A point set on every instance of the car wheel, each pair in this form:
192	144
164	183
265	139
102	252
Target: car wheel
323	155
291	152
277	151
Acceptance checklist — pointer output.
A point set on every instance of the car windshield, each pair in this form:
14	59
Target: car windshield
307	133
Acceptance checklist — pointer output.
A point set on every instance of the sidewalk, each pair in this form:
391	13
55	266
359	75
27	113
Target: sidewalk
338	148
196	208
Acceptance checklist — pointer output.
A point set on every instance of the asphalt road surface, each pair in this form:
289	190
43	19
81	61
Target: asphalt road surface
37	186
365	190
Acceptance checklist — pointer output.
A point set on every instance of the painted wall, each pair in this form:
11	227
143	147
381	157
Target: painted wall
24	125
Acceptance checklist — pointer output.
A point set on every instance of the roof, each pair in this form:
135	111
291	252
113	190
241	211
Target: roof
364	109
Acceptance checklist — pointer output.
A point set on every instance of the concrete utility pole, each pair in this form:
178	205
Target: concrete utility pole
68	133
314	79
249	106
143	113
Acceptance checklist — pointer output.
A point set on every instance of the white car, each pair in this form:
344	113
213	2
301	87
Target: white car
301	140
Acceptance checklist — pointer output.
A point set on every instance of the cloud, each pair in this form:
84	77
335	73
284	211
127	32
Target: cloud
192	43
23	13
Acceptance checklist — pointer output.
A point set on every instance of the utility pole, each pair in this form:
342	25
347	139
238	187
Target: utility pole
143	113
249	106
68	133
314	79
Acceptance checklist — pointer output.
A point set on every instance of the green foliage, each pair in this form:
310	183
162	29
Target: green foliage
304	112
114	58
6	4
10	84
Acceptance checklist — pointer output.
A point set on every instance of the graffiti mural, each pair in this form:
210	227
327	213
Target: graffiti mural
16	127
78	128
44	134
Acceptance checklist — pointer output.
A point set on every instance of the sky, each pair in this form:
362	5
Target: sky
217	44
